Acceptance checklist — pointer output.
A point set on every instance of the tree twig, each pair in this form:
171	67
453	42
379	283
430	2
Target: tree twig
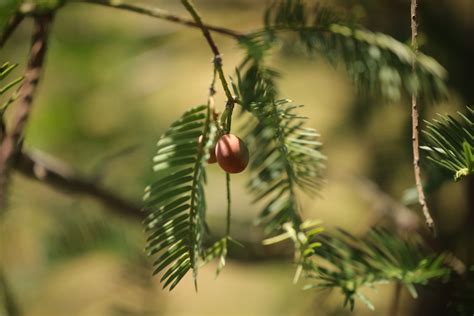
38	166
11	143
164	15
229	204
10	27
212	44
416	127
226	117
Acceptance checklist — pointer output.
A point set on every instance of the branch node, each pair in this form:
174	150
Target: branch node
217	60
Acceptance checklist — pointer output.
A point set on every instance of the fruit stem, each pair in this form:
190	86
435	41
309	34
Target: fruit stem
227	176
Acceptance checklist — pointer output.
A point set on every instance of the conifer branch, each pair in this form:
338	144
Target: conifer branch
164	15
10	27
416	127
10	145
449	143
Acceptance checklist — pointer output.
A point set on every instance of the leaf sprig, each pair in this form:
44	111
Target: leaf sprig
175	202
349	263
286	157
6	69
377	63
450	143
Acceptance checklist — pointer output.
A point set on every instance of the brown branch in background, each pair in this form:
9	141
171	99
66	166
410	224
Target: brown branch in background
10	145
60	176
416	128
164	15
396	299
10	27
384	205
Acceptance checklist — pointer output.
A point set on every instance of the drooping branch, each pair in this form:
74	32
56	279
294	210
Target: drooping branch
10	27
416	126
164	15
11	143
58	175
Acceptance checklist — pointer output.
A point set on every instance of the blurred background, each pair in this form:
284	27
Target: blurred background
115	80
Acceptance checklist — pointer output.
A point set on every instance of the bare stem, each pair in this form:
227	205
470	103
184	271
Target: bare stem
215	50
416	127
229	204
10	27
10	145
164	15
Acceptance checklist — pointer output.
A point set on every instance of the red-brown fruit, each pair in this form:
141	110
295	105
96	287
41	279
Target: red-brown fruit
232	154
212	152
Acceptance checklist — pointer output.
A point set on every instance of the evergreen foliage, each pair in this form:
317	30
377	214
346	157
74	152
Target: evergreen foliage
377	63
349	263
450	142
286	155
287	158
5	69
175	203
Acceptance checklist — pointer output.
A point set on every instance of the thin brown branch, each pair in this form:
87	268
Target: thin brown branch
227	115
205	31
212	44
60	176
164	15
10	145
10	27
416	127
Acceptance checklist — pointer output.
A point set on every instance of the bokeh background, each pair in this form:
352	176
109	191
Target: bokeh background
115	80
